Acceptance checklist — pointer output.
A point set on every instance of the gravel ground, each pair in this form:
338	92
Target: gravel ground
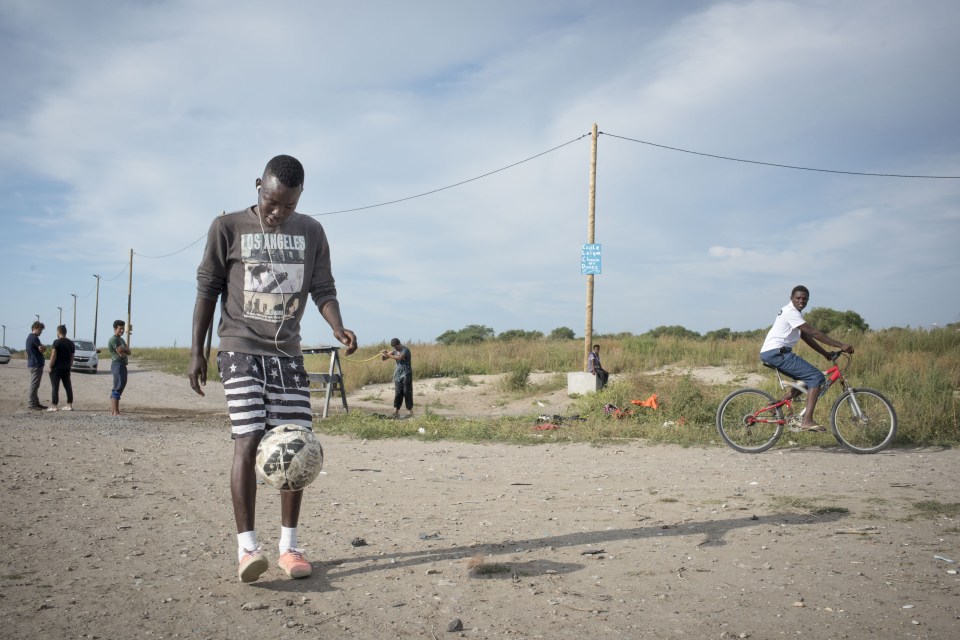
122	528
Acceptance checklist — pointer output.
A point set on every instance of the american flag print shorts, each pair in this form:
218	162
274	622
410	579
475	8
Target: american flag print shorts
264	392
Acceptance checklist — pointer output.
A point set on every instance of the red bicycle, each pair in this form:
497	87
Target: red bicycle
862	420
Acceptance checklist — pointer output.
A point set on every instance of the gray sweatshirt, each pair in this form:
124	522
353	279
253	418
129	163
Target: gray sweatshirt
263	279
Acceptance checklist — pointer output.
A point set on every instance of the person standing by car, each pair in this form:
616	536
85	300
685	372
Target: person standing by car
402	376
118	366
61	360
35	362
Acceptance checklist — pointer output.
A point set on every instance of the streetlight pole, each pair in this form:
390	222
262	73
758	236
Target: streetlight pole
4	336
61	316
96	310
74	327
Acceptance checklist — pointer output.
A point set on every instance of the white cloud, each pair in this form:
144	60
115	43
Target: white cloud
136	125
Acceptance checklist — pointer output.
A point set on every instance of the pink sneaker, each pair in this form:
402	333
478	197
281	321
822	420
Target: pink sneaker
252	564
294	564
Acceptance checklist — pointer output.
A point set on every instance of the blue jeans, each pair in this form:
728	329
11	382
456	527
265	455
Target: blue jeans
794	366
119	371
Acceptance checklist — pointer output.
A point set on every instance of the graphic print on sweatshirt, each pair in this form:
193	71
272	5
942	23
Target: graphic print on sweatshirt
272	275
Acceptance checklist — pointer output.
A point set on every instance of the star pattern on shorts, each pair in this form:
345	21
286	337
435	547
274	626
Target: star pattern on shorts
277	370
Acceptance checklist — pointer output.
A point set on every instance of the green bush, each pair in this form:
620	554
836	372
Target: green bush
518	379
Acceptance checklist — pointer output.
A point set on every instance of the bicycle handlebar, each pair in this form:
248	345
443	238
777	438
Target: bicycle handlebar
835	355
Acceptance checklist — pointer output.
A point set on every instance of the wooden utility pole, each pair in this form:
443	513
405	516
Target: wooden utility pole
591	218
129	298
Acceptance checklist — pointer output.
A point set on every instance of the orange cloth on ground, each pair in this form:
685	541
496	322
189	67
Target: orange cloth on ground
649	402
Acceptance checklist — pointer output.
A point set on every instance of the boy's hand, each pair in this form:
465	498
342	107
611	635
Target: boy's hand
348	338
198	373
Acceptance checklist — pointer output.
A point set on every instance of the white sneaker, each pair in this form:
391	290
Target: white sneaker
68	408
53	408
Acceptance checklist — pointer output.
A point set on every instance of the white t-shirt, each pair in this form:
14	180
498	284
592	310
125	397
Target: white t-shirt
785	331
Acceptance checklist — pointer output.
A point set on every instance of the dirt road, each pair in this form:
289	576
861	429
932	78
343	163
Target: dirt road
122	528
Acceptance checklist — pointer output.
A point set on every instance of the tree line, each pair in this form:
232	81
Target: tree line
823	318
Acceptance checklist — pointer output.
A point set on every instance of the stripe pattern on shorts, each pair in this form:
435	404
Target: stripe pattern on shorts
264	391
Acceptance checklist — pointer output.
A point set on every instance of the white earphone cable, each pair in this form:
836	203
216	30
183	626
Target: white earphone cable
273	272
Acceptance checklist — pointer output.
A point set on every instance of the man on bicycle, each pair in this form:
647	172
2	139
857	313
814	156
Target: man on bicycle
777	351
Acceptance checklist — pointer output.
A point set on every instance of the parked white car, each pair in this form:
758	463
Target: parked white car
4	355
85	356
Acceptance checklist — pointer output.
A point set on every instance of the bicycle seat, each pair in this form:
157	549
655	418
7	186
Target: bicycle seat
796	384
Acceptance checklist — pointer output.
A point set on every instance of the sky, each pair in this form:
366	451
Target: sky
447	151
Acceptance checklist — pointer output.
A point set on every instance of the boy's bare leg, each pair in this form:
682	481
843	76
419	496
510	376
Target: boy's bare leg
243	482
812	398
290	507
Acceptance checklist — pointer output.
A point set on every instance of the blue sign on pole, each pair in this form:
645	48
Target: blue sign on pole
590	259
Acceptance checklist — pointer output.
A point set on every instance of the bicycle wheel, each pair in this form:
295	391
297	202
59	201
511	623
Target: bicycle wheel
863	421
743	427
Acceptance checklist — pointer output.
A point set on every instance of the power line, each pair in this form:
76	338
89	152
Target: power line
167	255
122	271
383	204
456	184
782	166
89	293
560	146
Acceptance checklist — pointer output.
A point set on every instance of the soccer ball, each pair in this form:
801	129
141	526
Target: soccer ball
289	457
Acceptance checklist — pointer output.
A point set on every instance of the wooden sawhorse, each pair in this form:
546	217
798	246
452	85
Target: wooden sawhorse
330	381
